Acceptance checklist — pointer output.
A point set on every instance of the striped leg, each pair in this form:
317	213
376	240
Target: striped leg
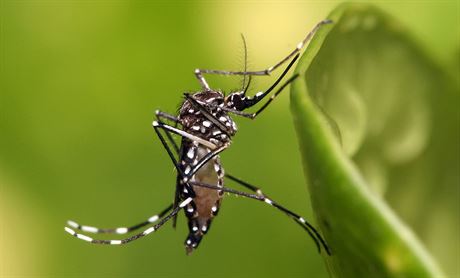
158	125
300	220
314	234
199	72
119	230
134	237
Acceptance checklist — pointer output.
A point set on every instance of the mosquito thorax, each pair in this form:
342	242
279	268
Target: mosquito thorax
195	122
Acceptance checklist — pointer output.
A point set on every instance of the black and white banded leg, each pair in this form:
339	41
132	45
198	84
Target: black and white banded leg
119	230
199	72
159	125
134	237
300	220
314	234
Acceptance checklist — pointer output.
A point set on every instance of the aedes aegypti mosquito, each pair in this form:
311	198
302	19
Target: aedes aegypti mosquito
206	129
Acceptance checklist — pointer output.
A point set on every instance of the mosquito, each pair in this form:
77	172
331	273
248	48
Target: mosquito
206	128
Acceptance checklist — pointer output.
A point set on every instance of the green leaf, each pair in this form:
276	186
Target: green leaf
362	108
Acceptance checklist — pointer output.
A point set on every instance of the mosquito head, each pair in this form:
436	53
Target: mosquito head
236	100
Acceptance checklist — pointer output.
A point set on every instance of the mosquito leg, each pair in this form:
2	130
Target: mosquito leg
247	102
259	192
134	237
280	89
246	185
228	190
120	230
162	115
177	198
199	72
158	125
199	76
251	101
314	234
301	221
166	146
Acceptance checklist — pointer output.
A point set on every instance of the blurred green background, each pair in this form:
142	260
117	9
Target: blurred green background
80	81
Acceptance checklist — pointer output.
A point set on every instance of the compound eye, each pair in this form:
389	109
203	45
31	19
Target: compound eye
237	102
